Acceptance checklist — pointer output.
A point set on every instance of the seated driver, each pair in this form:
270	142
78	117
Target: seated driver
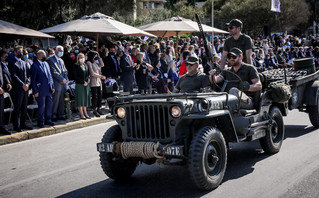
248	74
193	81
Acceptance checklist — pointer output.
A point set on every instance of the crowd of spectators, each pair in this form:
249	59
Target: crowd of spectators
145	67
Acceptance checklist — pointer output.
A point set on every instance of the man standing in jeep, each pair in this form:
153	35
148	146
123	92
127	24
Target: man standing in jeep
250	82
239	40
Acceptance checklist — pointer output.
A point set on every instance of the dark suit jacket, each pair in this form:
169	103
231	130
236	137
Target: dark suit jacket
79	74
6	73
58	72
19	74
127	68
281	59
39	81
110	69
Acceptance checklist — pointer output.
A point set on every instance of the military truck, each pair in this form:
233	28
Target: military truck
195	129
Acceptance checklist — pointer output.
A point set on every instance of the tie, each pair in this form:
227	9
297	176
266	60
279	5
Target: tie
283	58
60	63
47	74
1	77
114	62
21	65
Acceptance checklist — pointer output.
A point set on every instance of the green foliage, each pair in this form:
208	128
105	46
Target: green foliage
182	9
153	16
256	14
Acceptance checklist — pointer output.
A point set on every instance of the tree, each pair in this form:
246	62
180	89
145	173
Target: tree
182	9
256	14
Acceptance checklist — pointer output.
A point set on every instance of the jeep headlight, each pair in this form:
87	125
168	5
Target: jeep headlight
121	112
176	111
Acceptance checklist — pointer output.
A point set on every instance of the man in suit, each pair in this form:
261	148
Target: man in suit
127	65
281	59
112	67
60	79
43	88
20	83
5	85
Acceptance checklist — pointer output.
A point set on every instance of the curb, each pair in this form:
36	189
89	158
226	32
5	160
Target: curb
35	133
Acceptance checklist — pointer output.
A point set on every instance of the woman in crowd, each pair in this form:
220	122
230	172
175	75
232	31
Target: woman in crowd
95	63
82	88
172	75
141	73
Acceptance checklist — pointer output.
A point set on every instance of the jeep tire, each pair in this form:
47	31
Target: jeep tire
313	112
116	167
275	133
207	158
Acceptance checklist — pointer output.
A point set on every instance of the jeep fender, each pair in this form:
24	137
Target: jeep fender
312	91
217	118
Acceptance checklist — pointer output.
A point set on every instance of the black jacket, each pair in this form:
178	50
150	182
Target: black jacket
79	74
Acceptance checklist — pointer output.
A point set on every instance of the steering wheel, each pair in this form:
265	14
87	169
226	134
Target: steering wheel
222	89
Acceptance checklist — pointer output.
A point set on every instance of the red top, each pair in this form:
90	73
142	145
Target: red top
182	69
134	58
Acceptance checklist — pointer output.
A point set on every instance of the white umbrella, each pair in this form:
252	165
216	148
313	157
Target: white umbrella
175	26
13	29
96	24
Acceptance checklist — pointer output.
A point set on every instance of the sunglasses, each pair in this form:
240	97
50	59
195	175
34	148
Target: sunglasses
232	57
190	65
231	27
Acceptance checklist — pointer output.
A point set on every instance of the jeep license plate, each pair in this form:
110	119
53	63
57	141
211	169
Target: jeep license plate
174	151
105	147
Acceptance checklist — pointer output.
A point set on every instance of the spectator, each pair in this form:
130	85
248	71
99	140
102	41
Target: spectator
20	82
112	68
141	74
95	63
42	88
127	65
5	85
82	88
60	79
172	75
159	80
182	68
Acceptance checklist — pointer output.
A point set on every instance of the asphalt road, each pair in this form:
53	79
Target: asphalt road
67	165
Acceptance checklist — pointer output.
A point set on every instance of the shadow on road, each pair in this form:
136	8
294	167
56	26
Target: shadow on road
172	181
294	131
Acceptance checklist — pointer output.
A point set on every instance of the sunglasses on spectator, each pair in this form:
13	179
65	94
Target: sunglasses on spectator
231	27
232	57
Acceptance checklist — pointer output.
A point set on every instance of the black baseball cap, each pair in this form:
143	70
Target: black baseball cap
235	51
235	22
192	60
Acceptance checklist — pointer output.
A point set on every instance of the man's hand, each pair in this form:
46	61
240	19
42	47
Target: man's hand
245	85
169	80
63	82
25	87
53	90
9	87
212	72
36	95
1	91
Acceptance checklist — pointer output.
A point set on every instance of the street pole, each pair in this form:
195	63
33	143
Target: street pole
212	40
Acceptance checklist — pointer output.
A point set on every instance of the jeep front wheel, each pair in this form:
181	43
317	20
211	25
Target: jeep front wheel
275	133
207	158
113	166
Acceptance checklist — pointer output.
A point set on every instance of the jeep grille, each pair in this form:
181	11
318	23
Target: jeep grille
147	122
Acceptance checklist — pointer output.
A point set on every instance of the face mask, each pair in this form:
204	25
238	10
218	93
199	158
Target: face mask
60	54
76	51
25	57
43	59
30	54
97	61
130	50
272	56
19	55
82	60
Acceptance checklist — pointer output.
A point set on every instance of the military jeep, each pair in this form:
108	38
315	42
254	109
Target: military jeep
193	128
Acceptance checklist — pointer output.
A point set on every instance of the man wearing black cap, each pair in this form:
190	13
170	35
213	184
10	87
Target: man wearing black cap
248	74
193	80
238	40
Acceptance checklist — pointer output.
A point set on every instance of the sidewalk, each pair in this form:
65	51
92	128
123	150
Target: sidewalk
60	126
